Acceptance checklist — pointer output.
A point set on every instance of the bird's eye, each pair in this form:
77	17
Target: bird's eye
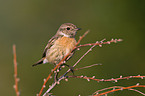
68	28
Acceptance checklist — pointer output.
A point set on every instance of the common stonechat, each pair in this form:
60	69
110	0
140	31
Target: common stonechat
59	45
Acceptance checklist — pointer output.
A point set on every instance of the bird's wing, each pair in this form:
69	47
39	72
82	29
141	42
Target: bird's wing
50	43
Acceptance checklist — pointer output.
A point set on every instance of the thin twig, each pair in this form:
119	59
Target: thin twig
113	79
15	71
100	43
118	88
52	86
87	67
113	87
137	91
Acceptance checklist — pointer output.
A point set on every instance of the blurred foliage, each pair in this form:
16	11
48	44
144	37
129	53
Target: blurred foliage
31	23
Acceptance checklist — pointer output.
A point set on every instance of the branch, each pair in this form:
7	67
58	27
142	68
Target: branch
87	67
100	43
137	91
67	56
116	79
15	71
62	77
118	88
94	44
61	62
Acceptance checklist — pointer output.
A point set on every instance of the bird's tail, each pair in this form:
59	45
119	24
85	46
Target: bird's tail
39	62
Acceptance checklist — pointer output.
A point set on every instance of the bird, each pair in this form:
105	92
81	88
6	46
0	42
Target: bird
59	45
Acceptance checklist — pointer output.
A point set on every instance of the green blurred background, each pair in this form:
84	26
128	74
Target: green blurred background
31	23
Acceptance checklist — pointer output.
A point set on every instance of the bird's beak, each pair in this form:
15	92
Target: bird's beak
78	29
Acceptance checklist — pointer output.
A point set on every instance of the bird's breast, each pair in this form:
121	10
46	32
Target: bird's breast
65	42
62	46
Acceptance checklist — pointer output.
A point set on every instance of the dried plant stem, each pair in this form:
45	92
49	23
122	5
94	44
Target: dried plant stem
15	71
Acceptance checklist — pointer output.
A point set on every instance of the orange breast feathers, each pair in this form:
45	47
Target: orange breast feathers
66	43
62	46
